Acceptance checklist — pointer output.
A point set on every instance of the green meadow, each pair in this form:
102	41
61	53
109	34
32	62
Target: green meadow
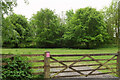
57	50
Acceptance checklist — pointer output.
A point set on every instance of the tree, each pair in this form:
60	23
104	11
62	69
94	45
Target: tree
111	18
87	28
48	30
8	5
68	26
15	31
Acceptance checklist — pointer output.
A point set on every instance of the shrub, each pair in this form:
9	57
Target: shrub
17	68
41	76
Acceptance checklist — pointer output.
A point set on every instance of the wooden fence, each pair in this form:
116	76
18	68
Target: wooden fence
54	65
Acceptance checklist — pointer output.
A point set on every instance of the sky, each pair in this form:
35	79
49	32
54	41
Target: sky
58	5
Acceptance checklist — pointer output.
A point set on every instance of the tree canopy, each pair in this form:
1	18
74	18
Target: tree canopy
111	18
86	27
15	30
48	29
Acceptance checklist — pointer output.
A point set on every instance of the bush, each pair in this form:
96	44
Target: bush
17	68
41	76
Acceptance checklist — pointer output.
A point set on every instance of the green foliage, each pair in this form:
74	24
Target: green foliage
69	15
111	18
15	31
7	6
40	76
17	68
47	28
86	27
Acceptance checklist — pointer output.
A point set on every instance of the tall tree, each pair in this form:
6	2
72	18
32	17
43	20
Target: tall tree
68	26
48	30
87	28
6	7
111	18
16	30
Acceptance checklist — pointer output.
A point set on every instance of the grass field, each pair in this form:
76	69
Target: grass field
62	51
58	51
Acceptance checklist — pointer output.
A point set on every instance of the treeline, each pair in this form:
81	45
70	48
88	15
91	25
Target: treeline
84	28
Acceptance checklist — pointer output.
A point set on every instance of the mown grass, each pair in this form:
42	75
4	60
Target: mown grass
63	51
57	50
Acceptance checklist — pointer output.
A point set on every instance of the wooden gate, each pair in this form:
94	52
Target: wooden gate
104	63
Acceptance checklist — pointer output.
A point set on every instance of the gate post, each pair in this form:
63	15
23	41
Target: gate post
118	64
47	64
118	57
